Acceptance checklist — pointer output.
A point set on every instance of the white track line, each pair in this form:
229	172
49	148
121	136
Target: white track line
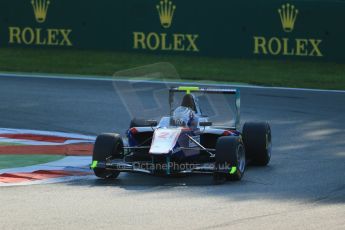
46	133
110	79
49	181
79	164
72	163
42	143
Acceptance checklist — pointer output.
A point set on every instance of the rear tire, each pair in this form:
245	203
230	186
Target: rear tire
258	142
230	159
107	146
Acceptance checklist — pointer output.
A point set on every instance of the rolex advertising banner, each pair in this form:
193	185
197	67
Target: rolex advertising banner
274	29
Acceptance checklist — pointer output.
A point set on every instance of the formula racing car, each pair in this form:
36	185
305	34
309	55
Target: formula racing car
187	141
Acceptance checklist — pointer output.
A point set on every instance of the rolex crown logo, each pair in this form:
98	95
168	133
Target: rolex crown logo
288	15
166	11
40	9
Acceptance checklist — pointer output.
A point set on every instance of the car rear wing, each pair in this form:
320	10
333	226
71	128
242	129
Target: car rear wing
191	89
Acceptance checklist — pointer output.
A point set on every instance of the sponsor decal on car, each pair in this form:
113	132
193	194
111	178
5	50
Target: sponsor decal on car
164	140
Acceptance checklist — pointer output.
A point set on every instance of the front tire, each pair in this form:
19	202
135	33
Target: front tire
230	159
107	146
258	142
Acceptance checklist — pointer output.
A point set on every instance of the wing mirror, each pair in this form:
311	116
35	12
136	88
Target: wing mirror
205	123
152	123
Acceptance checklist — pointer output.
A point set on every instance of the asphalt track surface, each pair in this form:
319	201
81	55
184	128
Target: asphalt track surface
302	188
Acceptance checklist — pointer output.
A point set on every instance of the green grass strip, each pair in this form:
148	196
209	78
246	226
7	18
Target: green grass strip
15	161
10	144
302	74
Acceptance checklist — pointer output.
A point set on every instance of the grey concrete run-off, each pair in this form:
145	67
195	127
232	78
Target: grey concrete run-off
302	188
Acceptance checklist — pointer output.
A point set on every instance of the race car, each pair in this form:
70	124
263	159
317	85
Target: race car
187	141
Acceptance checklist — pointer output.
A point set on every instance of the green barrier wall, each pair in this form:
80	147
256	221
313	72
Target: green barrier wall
307	30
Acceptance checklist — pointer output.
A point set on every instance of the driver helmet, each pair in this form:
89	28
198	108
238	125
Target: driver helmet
183	116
